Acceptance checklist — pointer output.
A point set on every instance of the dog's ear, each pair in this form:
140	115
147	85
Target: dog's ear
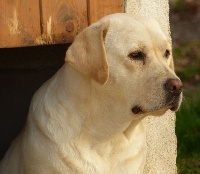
87	53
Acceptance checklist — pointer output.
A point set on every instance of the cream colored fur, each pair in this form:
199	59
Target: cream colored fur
80	121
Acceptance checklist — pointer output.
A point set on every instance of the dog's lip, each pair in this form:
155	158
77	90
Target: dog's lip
137	110
162	109
174	107
174	104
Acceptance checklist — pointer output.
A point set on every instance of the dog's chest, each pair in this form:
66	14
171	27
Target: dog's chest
121	156
128	159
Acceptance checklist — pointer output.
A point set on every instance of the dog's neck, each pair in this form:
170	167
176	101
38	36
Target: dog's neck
77	117
95	112
103	115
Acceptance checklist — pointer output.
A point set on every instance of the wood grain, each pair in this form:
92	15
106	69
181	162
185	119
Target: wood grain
101	8
38	22
62	20
19	22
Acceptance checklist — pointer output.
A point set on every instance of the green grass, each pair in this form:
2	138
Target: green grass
184	6
188	134
187	63
187	59
179	5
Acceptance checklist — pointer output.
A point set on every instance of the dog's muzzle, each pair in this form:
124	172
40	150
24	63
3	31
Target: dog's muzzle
174	88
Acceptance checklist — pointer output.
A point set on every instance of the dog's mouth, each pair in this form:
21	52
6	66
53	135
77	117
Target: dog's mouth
173	102
154	111
136	110
173	105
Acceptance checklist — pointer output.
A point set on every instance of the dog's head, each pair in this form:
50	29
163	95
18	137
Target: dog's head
130	58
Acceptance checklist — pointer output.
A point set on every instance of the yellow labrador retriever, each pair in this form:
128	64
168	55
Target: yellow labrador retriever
87	119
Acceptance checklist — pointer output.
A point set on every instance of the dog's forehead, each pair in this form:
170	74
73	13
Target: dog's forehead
134	31
137	24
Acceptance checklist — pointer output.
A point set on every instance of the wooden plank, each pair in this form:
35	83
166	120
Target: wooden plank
19	22
100	8
62	20
37	22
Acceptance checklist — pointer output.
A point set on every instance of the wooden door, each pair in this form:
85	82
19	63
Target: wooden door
39	22
19	22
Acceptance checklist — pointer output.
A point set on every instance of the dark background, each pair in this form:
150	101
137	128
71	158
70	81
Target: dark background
22	72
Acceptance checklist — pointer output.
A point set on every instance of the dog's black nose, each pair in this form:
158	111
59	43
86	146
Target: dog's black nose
174	86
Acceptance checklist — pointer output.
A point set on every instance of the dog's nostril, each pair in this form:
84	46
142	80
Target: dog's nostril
174	86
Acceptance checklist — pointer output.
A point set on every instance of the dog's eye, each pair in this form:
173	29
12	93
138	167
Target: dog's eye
138	55
167	53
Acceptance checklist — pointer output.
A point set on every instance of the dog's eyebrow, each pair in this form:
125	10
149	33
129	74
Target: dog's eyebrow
163	45
140	47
